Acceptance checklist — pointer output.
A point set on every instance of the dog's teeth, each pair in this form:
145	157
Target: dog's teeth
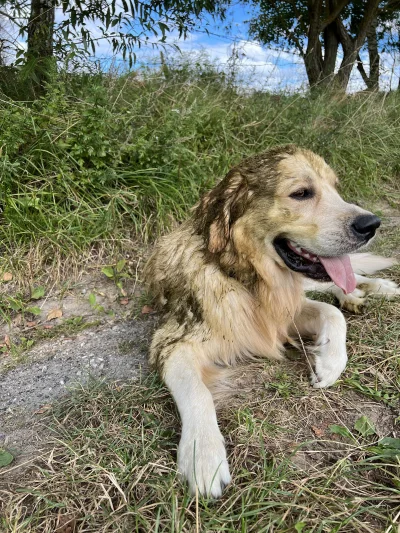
307	255
296	247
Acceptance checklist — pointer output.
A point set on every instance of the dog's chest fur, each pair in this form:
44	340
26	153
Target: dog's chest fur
203	293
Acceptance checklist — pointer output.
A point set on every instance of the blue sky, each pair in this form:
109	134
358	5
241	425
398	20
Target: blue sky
258	66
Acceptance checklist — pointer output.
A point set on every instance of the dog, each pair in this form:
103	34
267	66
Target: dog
231	281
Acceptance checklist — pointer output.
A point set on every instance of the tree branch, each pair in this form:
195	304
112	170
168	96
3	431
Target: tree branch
334	15
371	9
10	17
361	70
390	6
345	40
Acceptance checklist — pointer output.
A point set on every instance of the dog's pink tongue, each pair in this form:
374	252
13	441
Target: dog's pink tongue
340	271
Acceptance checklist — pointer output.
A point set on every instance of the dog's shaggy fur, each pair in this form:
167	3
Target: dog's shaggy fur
229	295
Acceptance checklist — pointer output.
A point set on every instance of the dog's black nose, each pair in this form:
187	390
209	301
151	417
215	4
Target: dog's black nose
365	226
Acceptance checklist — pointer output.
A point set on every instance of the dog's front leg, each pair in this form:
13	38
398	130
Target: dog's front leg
201	454
327	326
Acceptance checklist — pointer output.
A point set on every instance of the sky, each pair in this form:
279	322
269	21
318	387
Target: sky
257	66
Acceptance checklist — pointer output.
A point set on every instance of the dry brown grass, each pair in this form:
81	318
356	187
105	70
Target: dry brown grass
113	463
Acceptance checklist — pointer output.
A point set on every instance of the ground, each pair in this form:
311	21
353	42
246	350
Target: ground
100	456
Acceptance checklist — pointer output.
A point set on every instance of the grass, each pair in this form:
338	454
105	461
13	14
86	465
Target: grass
104	160
113	465
301	459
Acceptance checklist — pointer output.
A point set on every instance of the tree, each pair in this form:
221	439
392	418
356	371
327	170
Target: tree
371	80
125	24
40	49
316	29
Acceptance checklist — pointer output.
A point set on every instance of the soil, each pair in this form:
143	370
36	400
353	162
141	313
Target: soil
108	341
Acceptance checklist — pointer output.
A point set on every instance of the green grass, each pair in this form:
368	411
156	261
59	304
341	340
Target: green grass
113	466
105	159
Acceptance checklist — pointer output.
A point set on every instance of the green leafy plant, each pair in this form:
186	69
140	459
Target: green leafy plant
93	303
365	426
116	273
5	457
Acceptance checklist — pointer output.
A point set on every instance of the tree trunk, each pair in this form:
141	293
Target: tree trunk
351	47
372	40
313	60
39	56
331	46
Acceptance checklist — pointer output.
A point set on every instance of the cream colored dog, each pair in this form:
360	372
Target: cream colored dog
231	282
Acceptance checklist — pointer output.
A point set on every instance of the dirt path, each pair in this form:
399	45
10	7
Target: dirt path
106	352
86	342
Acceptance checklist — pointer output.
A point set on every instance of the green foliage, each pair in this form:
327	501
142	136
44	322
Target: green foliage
125	25
5	458
365	426
101	157
37	293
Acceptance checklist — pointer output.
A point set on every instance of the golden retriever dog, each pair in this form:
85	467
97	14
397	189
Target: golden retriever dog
232	279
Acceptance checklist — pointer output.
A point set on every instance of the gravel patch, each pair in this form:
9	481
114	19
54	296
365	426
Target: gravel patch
110	352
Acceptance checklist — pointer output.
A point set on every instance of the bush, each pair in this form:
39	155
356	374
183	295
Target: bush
103	155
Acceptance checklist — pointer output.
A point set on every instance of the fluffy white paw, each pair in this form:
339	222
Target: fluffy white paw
353	301
380	287
202	461
328	368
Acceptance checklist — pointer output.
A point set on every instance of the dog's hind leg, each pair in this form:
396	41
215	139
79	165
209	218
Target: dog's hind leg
201	454
327	326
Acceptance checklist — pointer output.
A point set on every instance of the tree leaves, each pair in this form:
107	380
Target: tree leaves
125	24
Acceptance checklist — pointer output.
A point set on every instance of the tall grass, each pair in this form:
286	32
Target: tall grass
102	157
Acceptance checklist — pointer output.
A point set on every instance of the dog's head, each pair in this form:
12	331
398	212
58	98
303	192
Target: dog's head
285	203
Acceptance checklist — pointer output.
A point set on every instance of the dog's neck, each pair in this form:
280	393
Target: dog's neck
276	288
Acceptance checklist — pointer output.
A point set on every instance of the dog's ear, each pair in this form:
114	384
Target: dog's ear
220	208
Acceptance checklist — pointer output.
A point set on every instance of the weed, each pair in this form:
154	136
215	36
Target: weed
93	303
115	272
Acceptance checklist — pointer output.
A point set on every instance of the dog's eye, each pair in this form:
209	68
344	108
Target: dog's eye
302	194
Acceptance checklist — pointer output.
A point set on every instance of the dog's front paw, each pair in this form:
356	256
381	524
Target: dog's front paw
376	287
353	301
202	461
328	368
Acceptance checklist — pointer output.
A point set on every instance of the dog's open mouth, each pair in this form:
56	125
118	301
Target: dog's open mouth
336	269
